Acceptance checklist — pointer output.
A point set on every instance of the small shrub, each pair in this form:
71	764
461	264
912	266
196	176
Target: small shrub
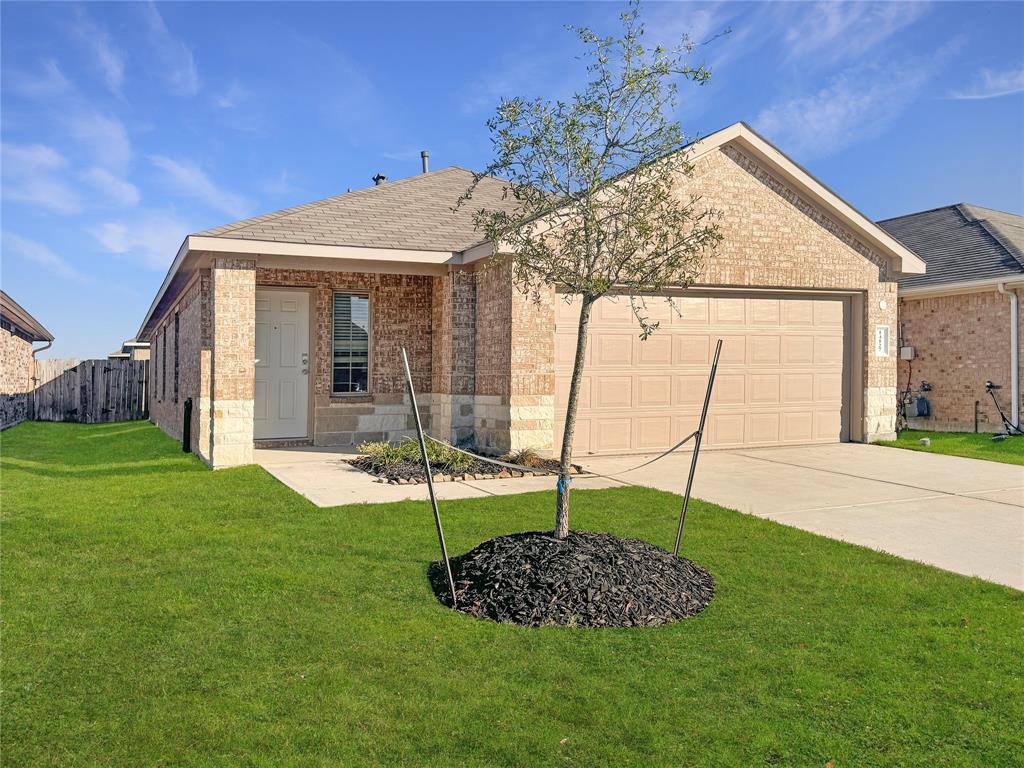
524	457
383	455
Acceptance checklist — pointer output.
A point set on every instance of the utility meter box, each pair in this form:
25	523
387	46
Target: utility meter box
906	353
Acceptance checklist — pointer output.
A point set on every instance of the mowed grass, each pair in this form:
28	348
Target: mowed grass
969	444
156	613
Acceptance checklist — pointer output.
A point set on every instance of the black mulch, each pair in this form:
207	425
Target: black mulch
586	580
412	471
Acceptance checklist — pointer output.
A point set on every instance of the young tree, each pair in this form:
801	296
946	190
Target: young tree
595	181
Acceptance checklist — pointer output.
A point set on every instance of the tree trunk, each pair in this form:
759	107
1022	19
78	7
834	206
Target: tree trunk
562	498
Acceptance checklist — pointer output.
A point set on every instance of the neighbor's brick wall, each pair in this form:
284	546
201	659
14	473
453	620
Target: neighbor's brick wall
15	377
401	309
959	343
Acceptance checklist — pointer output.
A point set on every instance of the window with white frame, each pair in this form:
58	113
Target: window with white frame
350	371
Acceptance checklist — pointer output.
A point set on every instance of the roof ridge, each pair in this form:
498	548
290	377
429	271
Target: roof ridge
992	230
273	215
918	213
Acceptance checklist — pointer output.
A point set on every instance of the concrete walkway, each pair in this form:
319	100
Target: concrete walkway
964	515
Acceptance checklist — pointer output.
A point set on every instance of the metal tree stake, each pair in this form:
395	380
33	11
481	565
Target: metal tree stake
430	477
696	448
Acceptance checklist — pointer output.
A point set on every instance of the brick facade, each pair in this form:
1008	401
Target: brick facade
482	353
16	370
960	342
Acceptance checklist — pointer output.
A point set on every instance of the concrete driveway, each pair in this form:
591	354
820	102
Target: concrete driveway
964	515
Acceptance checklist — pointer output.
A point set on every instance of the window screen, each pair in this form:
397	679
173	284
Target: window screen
351	370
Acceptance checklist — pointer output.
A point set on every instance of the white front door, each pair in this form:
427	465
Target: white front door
282	364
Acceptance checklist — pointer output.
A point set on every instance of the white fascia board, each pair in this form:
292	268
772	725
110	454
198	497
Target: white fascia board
903	259
964	286
304	255
179	259
259	248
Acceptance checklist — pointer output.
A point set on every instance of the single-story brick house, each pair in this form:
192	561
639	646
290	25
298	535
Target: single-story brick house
960	321
18	332
288	326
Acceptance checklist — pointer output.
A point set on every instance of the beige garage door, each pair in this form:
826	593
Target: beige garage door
782	378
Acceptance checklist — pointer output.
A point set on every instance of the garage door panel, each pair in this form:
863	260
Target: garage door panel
689	390
726	429
764	312
652	433
730	389
655	351
734	350
765	388
728	312
612	350
797	427
828	314
828	350
798	312
692	310
797	349
611	392
611	434
654	391
764	350
690	349
763	428
781	378
797	388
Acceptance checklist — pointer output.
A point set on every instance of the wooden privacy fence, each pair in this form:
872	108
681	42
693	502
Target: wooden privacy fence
90	391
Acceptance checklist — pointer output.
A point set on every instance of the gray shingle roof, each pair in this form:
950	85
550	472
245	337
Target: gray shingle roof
961	242
413	213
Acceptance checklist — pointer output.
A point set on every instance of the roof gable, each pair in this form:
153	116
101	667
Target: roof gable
16	315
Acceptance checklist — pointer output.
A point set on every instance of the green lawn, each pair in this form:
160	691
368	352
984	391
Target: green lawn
156	613
969	444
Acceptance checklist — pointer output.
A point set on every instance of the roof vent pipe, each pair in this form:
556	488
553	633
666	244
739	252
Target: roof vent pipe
379	179
425	157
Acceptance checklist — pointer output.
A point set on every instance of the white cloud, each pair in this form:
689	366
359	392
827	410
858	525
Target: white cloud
992	84
832	31
105	137
41	255
190	180
49	82
151	238
109	59
115	189
234	95
32	174
857	104
175	57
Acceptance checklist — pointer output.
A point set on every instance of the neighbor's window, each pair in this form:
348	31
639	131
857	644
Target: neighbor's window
351	368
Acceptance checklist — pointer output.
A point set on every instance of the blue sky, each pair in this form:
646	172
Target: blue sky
127	126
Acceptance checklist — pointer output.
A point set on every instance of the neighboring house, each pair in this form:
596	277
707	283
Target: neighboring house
289	326
132	349
18	331
961	318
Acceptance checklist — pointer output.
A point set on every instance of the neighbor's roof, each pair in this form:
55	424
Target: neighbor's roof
12	312
415	213
961	243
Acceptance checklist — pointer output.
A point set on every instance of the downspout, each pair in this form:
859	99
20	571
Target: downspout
35	380
43	348
1014	355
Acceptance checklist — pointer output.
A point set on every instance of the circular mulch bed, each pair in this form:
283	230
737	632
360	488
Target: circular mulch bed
585	580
